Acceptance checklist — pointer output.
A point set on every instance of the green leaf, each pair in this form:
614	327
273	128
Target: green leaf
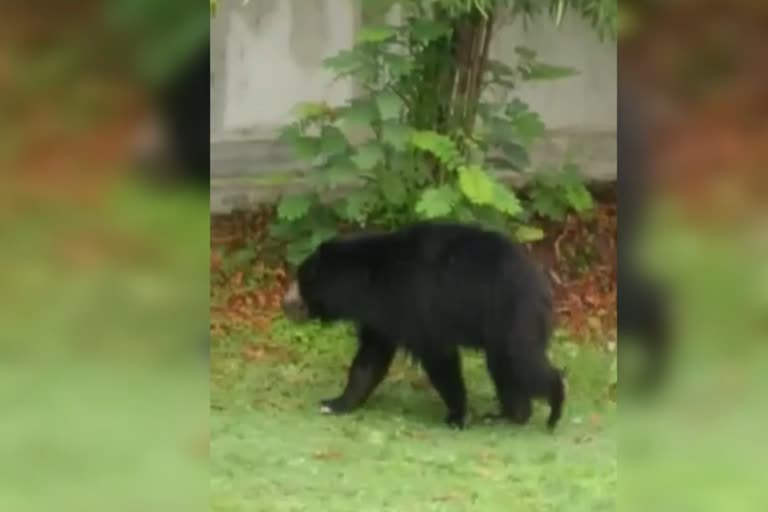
320	234
505	200
497	129
428	30
306	147
368	156
298	250
557	192
389	104
517	124
528	127
513	157
355	206
425	140
525	234
491	217
579	198
398	65
311	110
437	202
392	188
501	73
346	61
395	134
516	107
289	133
498	67
544	202
464	213
282	229
294	207
540	71
358	113
439	145
342	173
476	185
332	141
476	153
371	34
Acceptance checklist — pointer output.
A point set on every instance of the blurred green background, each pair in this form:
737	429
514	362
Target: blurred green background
700	65
103	277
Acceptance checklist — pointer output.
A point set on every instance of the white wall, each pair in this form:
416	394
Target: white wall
266	57
585	102
267	54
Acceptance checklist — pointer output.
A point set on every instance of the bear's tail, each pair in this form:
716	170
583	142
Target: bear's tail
556	397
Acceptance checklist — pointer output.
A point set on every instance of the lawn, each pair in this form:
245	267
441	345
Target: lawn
271	449
103	390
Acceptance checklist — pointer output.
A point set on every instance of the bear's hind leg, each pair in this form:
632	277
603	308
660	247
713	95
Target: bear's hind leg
444	372
369	367
516	405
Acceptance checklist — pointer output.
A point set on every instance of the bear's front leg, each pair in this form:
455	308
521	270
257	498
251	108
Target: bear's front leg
369	367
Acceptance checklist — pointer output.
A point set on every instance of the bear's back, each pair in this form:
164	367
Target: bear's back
435	246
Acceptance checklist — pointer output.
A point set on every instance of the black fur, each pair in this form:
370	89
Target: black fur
173	144
185	106
643	306
429	289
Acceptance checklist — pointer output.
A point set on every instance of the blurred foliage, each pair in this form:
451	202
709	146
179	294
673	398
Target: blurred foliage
104	289
164	32
103	313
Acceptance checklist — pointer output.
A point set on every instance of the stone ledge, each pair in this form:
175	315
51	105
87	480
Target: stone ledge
247	172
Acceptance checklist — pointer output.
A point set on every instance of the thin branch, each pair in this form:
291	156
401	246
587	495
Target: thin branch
480	69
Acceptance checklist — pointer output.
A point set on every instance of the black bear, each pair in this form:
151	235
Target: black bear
175	141
643	306
429	289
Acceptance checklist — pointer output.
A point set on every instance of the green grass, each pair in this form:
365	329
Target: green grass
105	399
271	449
143	276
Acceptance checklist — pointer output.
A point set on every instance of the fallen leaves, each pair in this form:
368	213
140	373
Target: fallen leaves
580	258
249	277
256	352
253	353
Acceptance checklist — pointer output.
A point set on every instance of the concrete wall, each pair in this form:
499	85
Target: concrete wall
266	57
585	102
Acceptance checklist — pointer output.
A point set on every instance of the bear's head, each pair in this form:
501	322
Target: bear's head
332	283
314	295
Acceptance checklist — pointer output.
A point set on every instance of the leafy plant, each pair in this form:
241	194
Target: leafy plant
435	137
555	194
